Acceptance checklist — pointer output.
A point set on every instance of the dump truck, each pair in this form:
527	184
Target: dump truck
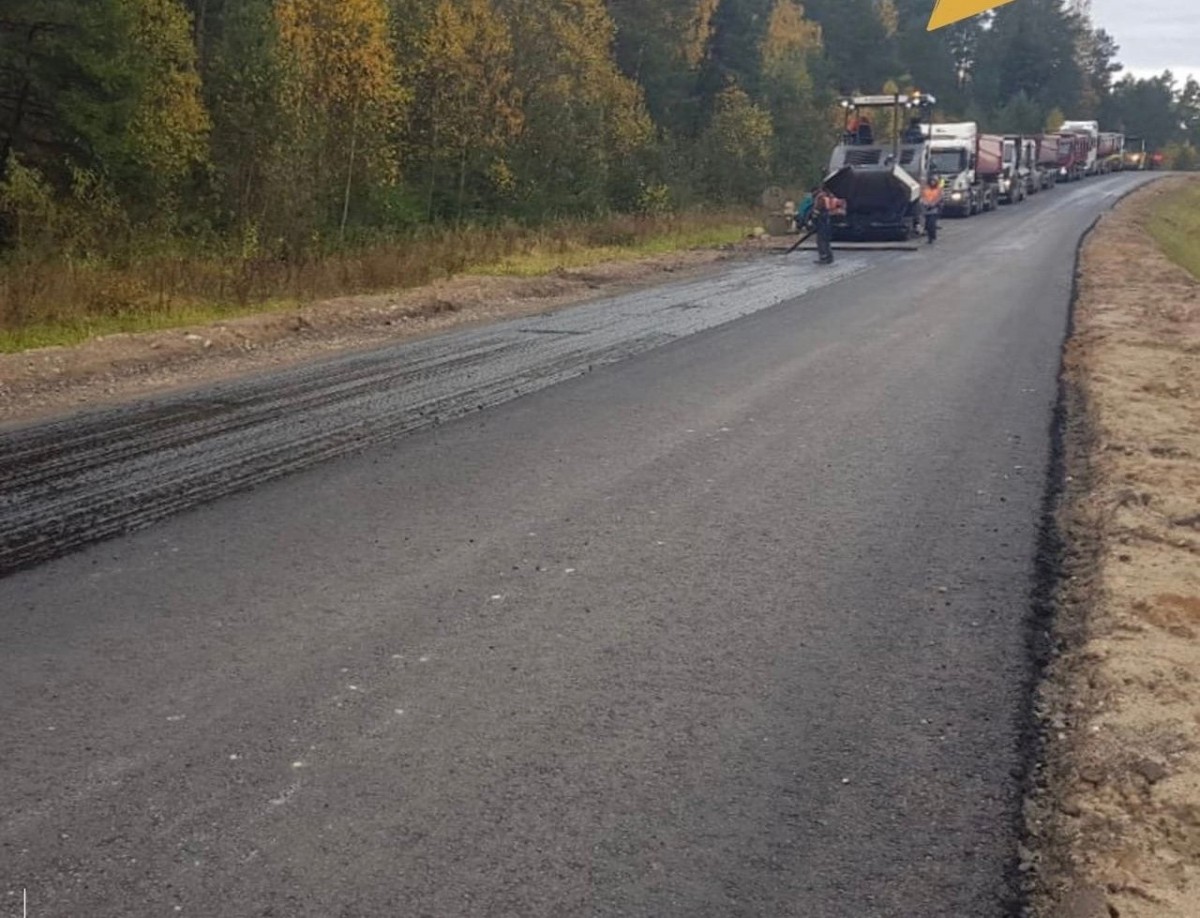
1110	152
1090	130
1029	164
1072	156
1048	158
969	163
1014	176
880	179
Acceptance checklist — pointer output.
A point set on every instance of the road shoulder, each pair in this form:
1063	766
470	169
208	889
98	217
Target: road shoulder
1115	822
47	382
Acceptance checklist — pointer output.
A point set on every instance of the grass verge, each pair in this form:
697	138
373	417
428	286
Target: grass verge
1175	226
54	302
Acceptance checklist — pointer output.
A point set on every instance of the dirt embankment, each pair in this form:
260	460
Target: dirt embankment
1118	820
55	380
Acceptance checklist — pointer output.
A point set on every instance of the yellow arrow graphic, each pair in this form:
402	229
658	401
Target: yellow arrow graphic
948	12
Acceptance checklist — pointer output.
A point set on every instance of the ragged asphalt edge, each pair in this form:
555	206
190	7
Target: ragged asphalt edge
1070	431
20	556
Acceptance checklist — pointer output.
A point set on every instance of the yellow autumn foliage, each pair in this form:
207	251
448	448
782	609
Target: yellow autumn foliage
697	29
789	34
467	61
582	33
169	128
337	55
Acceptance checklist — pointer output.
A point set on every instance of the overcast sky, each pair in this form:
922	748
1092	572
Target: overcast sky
1154	35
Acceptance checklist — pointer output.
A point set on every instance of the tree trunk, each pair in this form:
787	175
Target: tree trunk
349	173
462	181
432	160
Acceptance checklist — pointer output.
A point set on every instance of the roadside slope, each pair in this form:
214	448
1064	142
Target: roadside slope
1120	820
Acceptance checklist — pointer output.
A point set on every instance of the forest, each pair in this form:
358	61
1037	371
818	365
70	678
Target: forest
282	132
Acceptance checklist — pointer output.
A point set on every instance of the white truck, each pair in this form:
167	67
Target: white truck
1016	173
970	164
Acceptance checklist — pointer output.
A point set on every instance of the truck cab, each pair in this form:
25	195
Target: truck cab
1134	156
967	163
1014	174
1030	168
955	164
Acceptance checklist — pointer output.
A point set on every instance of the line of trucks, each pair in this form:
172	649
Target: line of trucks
881	181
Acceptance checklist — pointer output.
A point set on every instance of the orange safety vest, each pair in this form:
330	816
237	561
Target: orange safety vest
931	197
829	203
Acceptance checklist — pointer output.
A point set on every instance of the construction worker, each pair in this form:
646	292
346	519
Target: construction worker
866	136
826	206
804	212
931	203
914	133
851	135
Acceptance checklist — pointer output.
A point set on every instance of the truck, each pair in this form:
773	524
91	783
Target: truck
880	179
1029	165
1015	173
1072	156
1110	152
1135	157
970	164
1048	158
1090	130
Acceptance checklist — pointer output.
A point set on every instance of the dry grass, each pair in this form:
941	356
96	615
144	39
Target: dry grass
56	302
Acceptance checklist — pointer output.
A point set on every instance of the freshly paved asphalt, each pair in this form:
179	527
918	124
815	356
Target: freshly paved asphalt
733	626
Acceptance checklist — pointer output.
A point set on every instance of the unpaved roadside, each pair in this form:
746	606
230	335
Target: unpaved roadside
52	381
1116	822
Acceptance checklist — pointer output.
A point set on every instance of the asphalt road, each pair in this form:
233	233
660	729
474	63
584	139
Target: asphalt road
732	625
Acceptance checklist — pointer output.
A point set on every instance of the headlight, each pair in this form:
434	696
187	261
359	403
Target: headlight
956	196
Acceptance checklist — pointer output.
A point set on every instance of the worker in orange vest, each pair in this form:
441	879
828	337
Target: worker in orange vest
851	135
826	206
931	203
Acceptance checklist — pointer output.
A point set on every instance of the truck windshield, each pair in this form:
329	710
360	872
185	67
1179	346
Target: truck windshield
949	162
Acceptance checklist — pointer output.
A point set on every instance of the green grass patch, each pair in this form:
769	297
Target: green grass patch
540	260
1175	226
68	331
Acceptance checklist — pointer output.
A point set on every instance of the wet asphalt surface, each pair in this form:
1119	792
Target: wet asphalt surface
720	618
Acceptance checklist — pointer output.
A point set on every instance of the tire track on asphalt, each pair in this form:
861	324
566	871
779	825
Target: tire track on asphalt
72	482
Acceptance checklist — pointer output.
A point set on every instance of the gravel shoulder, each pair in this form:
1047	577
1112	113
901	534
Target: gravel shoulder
48	382
1116	822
